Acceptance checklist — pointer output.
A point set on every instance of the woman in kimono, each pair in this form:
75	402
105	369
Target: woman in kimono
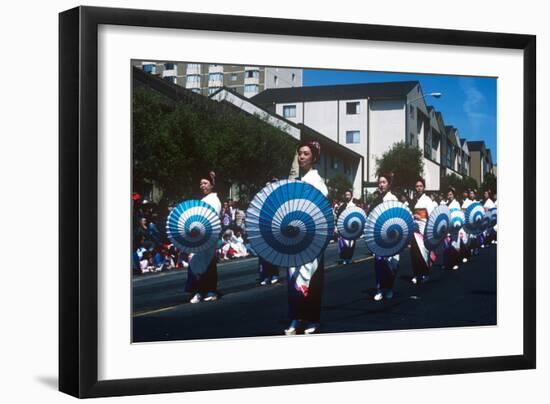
421	257
488	204
202	273
472	240
453	245
305	283
385	267
346	247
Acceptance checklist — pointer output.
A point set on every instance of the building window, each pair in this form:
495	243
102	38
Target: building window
289	111
352	108
411	111
233	76
149	68
353	136
212	90
251	88
194	80
428	144
169	66
253	74
215	76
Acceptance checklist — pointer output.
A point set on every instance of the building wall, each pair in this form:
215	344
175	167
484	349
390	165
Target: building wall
331	119
386	127
475	167
354	122
323	117
276	77
432	175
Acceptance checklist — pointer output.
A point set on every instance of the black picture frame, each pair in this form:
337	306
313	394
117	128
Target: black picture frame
78	195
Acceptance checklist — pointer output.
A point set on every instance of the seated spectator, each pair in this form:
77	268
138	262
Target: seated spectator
237	242
146	263
231	248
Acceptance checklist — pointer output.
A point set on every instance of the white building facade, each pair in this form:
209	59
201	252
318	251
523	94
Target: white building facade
367	119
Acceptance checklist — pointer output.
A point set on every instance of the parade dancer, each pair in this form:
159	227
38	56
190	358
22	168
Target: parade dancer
473	240
202	273
346	247
453	243
305	283
385	267
421	257
488	204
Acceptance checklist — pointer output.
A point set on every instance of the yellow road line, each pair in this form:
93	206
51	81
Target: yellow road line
146	313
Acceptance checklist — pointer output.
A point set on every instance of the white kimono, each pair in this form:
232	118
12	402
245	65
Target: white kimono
467	237
424	202
199	262
393	261
489	204
455	238
306	271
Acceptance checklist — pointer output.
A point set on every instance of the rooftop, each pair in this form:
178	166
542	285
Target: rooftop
335	92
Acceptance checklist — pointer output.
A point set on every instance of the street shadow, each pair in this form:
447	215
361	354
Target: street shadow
51	382
484	292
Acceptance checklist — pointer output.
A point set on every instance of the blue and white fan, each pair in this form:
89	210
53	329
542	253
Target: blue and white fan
351	223
193	226
388	228
473	219
492	213
289	223
437	226
457	220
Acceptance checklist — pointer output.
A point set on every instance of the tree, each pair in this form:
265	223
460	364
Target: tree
175	142
469	183
405	162
337	185
459	184
489	183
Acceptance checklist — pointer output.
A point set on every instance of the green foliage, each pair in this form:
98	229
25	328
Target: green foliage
469	183
489	183
405	162
459	184
174	143
337	185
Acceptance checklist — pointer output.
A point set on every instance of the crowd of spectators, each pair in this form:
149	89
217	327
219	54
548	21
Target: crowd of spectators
152	251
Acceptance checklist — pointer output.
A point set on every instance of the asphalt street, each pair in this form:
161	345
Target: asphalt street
466	297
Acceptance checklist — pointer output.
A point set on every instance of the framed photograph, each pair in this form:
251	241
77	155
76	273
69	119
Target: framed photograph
251	201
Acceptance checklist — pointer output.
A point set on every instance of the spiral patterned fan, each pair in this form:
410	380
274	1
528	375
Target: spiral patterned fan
492	213
473	219
437	226
457	220
289	223
388	228
193	226
351	223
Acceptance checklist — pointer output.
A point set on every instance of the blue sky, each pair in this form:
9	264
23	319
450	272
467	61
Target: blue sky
468	103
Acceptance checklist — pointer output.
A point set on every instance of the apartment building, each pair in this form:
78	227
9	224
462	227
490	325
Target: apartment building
206	79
